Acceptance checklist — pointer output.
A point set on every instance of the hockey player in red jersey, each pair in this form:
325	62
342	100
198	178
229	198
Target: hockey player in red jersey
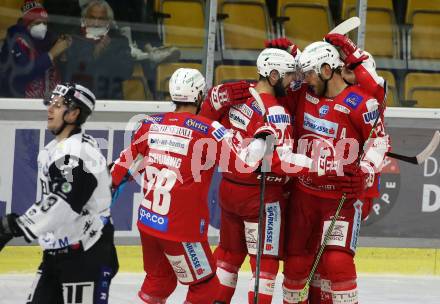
239	220
178	151
328	112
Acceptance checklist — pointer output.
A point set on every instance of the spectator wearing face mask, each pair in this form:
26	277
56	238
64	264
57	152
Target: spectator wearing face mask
28	55
99	57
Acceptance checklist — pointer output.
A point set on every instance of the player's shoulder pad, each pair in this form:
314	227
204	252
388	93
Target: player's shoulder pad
84	147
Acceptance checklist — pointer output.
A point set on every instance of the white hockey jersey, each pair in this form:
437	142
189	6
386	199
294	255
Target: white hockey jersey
75	194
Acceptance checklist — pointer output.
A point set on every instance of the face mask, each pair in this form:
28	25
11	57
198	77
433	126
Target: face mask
39	31
96	33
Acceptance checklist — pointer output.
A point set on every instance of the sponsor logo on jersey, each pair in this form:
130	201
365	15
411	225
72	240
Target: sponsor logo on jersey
256	108
320	126
356	224
219	131
279	118
370	117
341	108
198	259
181	268
196	125
171	130
168	143
243	108
353	100
238	119
312	99
273	224
153	220
338	236
323	110
153	119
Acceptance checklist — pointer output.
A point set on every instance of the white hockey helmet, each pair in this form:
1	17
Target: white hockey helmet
186	85
275	59
318	53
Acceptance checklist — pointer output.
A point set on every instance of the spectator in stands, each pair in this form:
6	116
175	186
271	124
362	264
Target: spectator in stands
29	53
140	17
99	57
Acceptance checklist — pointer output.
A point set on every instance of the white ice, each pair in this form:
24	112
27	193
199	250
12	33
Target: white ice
374	289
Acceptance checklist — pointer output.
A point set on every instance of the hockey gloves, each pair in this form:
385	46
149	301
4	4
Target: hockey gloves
229	94
283	44
8	229
353	56
362	175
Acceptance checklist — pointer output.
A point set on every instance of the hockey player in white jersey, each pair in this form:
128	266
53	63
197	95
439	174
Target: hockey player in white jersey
72	219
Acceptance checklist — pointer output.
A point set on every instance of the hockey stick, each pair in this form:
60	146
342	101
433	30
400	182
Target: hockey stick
346	26
260	240
422	156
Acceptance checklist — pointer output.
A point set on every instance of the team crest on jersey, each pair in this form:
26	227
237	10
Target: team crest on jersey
295	85
323	110
196	125
353	100
66	187
312	99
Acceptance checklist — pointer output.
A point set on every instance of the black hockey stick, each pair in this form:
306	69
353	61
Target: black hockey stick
422	156
260	240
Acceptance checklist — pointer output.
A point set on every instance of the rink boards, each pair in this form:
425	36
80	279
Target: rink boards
406	214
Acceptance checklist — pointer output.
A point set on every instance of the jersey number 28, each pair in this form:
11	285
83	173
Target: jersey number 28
160	182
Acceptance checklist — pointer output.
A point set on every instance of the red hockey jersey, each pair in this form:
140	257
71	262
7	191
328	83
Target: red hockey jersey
323	122
178	153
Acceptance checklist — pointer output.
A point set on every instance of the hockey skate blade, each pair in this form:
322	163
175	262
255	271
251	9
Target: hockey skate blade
432	146
346	26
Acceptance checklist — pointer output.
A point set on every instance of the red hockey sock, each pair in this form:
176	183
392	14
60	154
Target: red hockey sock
291	291
315	290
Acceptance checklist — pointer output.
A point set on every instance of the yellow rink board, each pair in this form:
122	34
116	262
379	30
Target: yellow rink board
25	259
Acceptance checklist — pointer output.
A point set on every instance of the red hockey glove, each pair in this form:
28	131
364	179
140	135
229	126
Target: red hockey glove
353	56
283	44
361	177
228	94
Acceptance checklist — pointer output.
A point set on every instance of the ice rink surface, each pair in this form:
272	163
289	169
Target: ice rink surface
374	289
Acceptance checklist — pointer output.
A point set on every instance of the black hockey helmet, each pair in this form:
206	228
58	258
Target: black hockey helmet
75	96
